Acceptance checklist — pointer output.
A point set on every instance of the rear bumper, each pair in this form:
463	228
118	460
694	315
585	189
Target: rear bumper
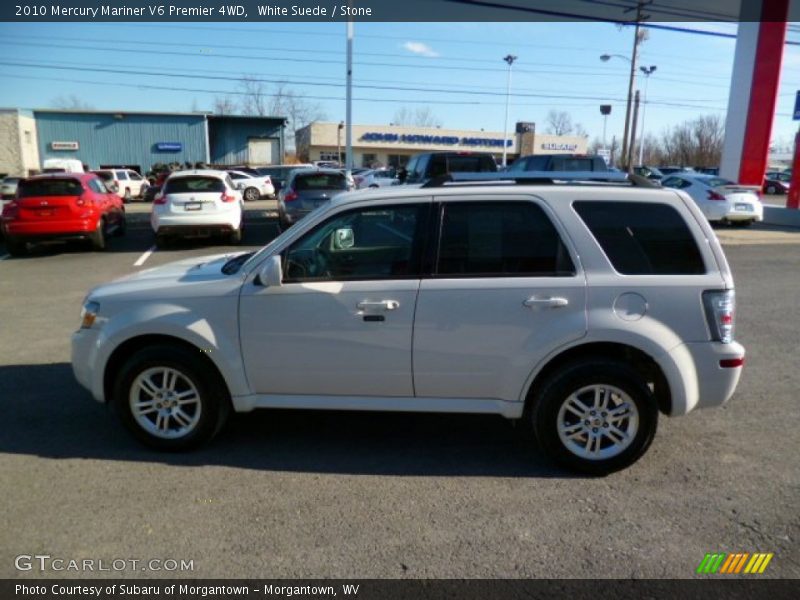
757	214
705	382
186	224
79	228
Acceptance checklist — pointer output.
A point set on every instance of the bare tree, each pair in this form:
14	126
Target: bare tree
71	102
558	122
299	112
224	105
696	143
255	99
580	130
420	117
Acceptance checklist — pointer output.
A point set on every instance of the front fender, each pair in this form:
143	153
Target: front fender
217	338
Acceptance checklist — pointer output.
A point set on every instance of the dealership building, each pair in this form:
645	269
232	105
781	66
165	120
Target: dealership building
391	145
136	140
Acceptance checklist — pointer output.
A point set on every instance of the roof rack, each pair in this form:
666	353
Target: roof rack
541	178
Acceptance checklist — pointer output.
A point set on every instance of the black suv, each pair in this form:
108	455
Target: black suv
423	167
559	162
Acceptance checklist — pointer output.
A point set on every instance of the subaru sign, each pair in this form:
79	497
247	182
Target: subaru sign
169	146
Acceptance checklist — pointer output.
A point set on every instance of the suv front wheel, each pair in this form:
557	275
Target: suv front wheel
595	416
169	399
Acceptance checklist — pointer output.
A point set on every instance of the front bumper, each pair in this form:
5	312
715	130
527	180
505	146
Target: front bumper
85	345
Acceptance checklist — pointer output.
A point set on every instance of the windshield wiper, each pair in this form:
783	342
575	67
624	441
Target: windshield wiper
234	264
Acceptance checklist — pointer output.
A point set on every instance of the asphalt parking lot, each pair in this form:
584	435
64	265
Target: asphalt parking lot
304	494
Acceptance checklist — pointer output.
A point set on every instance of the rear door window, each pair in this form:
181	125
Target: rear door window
500	239
642	238
185	185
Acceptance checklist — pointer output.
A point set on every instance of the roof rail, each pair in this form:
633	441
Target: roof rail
541	178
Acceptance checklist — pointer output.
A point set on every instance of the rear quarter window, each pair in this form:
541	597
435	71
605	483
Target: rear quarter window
642	238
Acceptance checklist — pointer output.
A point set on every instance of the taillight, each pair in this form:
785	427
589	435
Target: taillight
11	210
290	196
160	198
225	197
712	195
720	306
80	201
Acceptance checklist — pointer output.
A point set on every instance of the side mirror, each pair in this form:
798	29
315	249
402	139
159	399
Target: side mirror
343	239
271	272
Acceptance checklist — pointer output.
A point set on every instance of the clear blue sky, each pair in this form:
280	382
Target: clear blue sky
558	67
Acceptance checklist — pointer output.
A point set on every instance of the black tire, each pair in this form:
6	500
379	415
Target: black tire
16	247
547	401
122	227
98	236
213	403
771	189
235	237
251	194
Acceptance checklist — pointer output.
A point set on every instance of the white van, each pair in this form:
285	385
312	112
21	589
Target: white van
62	165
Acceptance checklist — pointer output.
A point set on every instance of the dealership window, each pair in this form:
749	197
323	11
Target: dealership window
369	160
397	160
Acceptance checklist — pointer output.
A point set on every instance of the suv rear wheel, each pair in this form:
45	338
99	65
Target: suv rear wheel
595	416
170	400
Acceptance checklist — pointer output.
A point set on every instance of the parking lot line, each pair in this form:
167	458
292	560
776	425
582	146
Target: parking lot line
140	261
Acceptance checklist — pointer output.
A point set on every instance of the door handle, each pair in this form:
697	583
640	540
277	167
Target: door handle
380	305
536	302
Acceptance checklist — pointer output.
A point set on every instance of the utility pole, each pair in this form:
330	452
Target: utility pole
626	147
647	72
633	131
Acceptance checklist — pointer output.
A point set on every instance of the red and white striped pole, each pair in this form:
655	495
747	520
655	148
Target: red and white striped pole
754	90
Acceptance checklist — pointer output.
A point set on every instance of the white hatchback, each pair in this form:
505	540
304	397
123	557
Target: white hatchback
197	204
252	187
721	200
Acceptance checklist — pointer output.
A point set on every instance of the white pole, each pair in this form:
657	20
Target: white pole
605	121
510	60
349	96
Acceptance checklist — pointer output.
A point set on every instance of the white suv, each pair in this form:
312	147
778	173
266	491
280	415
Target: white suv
582	310
197	203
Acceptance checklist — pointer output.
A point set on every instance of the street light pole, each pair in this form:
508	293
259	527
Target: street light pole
339	142
510	60
647	72
349	97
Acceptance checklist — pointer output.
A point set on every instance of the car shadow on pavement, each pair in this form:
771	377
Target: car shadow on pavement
52	416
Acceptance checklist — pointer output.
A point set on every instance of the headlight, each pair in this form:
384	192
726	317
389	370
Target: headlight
89	314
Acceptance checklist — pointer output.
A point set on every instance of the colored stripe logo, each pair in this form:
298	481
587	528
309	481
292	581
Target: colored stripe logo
734	564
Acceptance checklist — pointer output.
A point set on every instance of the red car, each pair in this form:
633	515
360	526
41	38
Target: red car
62	206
